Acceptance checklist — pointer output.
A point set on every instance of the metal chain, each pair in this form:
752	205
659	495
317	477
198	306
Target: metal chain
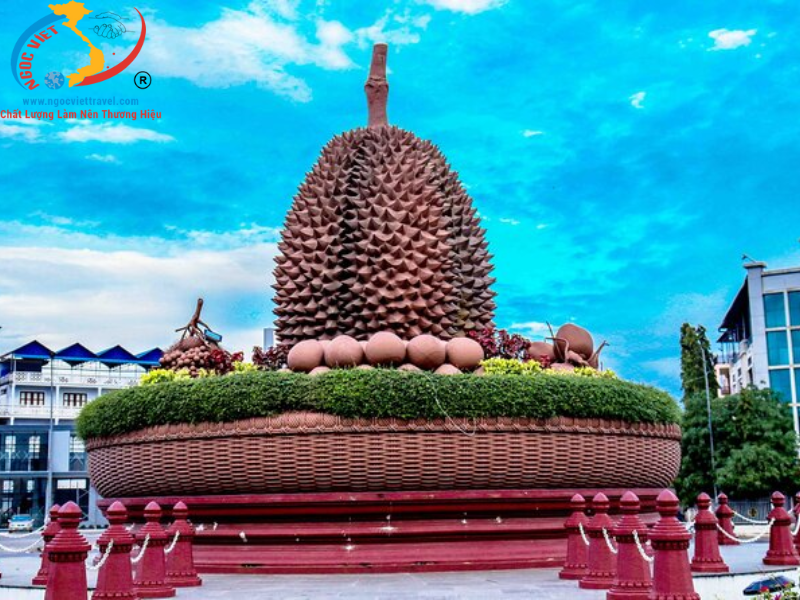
22	535
103	560
142	551
608	542
21	550
171	547
583	534
647	558
749	520
748	540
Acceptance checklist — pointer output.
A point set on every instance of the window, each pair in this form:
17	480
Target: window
774	312
75	400
11	444
71	484
34	446
29	485
795	346
8	486
794	308
31	398
76	445
77	454
780	382
777	348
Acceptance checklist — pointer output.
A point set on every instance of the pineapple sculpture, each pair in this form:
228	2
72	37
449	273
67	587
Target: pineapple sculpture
381	236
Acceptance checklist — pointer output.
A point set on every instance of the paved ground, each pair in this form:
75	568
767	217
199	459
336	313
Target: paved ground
542	584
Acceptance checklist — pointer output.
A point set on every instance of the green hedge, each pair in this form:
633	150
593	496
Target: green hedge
372	393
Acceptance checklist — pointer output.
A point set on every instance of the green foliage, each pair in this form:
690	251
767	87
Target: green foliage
754	446
374	393
694	343
513	366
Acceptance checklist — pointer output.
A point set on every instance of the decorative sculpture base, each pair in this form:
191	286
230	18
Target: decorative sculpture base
382	532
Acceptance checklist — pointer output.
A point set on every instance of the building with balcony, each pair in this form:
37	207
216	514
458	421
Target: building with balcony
41	393
761	335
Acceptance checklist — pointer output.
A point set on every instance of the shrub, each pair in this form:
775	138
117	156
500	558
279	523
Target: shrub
375	393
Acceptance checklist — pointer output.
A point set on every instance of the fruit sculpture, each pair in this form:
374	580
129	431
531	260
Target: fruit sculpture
385	349
381	236
198	349
572	347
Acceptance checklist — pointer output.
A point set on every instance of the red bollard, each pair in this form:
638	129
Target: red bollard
781	549
796	511
114	579
48	534
707	558
180	561
66	577
575	565
601	564
724	515
672	577
633	581
150	576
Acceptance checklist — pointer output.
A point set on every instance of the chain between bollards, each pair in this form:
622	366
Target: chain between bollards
749	520
171	547
747	540
641	549
23	535
142	551
103	560
583	534
21	550
608	542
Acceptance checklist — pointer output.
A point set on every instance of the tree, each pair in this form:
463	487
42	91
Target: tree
754	442
694	343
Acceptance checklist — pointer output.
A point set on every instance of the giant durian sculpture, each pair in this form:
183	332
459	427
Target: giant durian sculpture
381	236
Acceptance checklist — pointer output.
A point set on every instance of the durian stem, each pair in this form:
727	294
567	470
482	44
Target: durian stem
377	88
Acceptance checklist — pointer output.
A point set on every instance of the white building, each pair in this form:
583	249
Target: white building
41	394
761	334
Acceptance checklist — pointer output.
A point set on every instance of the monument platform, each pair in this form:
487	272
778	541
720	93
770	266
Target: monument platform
382	532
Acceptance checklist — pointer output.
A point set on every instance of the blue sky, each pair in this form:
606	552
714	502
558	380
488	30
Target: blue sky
624	155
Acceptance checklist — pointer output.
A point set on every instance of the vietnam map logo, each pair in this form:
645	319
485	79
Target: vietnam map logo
35	49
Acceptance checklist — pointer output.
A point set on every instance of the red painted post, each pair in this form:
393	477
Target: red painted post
672	577
724	515
633	581
781	549
66	577
150	576
114	579
707	558
575	565
796	511
48	534
180	561
601	564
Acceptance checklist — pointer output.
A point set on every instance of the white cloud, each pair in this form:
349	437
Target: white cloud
637	99
508	221
531	328
111	133
531	133
104	158
725	39
470	7
393	29
27	130
541	226
668	367
132	296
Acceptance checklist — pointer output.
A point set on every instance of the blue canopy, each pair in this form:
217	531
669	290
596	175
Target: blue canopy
116	356
32	350
151	357
76	354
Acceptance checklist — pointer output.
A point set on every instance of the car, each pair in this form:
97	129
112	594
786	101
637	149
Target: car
20	523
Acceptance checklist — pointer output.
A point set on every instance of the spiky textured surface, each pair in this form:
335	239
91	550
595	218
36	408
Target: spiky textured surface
382	236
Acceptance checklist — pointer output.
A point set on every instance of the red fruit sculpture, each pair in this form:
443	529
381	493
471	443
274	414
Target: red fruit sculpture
381	236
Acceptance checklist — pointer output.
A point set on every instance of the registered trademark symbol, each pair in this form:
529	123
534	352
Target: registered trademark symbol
142	80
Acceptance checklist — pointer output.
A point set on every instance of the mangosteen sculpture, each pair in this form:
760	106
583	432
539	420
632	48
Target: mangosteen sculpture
381	236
